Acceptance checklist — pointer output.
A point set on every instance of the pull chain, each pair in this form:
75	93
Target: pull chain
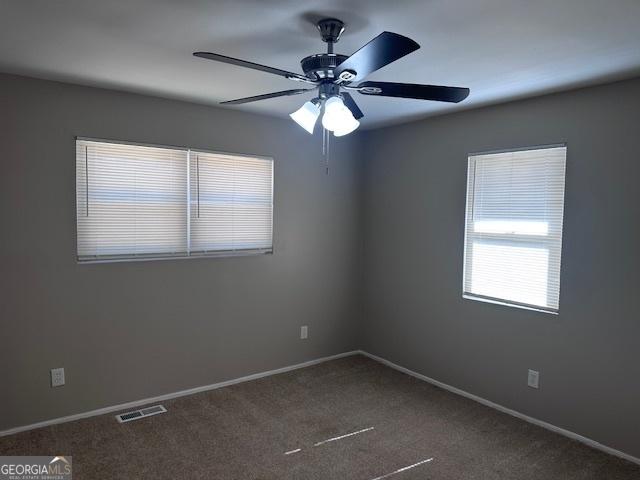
325	148
324	142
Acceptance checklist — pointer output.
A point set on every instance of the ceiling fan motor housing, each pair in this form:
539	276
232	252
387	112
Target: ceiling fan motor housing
321	65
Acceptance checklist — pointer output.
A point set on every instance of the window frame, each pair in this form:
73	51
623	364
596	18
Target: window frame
178	256
513	238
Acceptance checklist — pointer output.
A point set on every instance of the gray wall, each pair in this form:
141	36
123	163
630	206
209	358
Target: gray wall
588	355
131	330
125	331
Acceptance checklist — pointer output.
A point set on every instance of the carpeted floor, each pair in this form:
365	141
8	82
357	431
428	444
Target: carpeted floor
402	428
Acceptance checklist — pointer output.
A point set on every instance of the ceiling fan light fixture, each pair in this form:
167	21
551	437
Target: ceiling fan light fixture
307	115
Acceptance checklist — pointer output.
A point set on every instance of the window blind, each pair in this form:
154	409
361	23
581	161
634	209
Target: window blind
231	202
513	234
131	200
136	201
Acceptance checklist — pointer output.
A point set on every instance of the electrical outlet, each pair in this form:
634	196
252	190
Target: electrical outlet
57	377
304	332
533	379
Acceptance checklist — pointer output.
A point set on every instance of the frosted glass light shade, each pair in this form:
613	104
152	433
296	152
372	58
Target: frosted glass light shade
347	127
306	116
338	118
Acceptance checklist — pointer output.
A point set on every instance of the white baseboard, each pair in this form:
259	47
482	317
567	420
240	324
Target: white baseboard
204	388
514	413
168	396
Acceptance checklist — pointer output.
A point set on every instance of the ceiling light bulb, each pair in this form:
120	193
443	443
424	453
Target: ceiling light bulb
307	115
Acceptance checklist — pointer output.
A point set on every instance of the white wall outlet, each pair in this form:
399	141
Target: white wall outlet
57	377
533	380
304	332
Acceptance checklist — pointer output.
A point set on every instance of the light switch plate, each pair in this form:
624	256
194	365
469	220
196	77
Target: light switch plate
304	332
533	380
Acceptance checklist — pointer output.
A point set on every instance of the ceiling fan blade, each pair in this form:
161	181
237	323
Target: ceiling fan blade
412	90
254	66
351	104
382	50
255	98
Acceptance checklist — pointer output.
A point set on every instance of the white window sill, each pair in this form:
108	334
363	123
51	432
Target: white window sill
508	304
151	257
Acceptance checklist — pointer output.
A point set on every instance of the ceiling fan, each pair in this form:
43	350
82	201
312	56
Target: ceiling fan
335	75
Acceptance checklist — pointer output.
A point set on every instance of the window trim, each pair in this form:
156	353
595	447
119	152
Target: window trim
518	149
502	301
178	256
508	303
173	147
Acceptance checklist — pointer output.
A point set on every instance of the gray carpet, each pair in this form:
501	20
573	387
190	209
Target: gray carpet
244	431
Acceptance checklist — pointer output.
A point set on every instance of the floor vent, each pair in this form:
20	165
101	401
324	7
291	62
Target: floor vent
138	414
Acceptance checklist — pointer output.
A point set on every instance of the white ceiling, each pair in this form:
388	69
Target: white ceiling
501	49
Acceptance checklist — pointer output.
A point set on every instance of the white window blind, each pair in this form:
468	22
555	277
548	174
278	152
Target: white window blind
231	202
136	201
513	235
131	200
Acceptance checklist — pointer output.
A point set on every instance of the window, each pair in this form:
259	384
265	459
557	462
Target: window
136	201
513	235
